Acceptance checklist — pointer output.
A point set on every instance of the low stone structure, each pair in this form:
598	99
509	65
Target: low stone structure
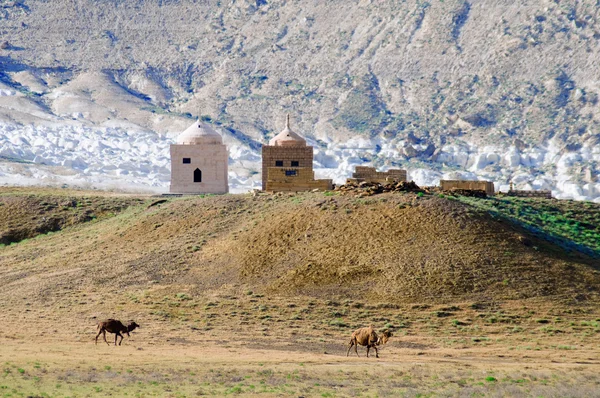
362	189
371	175
528	194
467	185
287	164
199	161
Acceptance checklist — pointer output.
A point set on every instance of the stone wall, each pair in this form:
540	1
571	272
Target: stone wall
271	154
294	179
449	185
212	160
370	174
530	194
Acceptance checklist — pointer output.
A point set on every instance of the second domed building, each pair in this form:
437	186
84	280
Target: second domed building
287	164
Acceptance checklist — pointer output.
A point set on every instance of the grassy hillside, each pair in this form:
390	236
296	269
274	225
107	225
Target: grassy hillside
573	225
25	214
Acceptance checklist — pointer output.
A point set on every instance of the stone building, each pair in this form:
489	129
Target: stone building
199	161
370	174
468	185
287	164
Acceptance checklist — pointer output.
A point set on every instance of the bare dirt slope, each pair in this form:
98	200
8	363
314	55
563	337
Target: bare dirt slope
395	248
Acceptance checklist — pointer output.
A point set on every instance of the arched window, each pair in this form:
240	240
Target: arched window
197	175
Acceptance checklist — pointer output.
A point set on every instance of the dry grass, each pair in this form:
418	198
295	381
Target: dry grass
223	344
393	248
186	378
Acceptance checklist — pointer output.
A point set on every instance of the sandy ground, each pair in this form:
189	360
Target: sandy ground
146	366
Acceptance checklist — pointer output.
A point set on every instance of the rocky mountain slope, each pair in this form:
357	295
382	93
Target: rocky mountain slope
500	90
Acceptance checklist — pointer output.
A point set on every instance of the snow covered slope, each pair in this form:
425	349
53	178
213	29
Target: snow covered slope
120	159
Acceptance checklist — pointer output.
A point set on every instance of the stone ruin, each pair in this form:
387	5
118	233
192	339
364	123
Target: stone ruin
371	175
468	187
521	193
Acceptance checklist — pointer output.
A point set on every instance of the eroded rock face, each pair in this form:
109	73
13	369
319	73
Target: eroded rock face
356	67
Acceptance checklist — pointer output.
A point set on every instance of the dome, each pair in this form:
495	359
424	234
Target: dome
199	133
287	137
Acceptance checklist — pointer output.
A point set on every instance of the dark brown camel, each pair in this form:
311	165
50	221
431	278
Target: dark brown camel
116	327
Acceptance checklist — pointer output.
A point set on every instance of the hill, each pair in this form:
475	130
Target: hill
389	248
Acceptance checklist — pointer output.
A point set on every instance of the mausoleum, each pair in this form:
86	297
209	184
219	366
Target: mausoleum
370	174
199	161
287	164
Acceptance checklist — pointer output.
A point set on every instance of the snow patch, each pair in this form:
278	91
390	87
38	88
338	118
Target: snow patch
139	159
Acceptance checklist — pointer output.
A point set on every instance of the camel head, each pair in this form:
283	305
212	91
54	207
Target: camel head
385	336
132	326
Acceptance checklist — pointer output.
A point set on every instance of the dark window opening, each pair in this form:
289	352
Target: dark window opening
295	163
290	172
279	163
197	175
187	160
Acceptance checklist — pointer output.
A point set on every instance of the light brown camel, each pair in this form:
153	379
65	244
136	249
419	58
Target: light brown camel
368	337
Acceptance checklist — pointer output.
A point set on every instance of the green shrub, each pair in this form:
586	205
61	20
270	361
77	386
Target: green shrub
338	322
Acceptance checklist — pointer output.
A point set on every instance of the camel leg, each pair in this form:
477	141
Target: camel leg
98	335
356	349
120	341
368	348
376	352
104	335
352	343
116	335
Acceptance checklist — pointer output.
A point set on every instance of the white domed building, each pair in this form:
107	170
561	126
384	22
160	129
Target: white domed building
199	161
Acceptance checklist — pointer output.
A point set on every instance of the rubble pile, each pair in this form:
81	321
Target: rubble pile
362	189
